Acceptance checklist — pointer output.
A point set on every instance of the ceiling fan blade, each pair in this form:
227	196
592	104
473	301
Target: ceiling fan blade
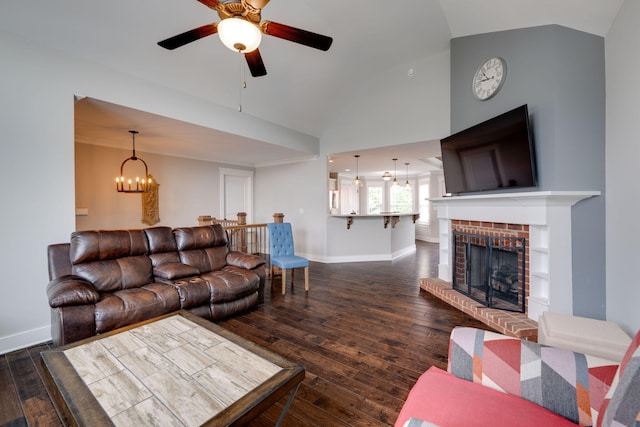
189	36
254	61
209	3
296	35
257	4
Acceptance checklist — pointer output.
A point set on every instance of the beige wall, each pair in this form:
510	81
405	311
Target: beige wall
188	188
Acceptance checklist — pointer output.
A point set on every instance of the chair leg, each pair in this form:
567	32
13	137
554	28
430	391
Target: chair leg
306	278
284	280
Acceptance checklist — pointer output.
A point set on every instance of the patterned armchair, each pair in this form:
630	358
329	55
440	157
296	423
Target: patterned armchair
495	380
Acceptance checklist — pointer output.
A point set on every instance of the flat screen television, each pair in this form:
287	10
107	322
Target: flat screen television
497	154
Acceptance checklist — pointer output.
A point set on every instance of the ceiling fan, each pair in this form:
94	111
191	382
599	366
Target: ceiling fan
242	18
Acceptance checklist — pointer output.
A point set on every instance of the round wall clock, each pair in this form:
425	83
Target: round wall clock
489	78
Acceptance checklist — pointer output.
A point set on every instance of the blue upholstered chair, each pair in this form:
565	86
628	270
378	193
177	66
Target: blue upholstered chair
282	253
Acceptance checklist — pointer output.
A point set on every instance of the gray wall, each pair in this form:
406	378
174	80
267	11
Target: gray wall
560	74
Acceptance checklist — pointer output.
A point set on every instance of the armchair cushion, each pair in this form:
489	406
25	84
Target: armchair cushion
446	400
571	384
622	405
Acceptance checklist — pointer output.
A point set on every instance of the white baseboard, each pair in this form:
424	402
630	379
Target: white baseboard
25	339
369	258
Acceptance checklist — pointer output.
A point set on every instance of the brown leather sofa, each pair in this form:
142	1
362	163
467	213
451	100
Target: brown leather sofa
103	280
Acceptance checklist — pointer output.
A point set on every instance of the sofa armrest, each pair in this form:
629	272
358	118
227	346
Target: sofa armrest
568	383
71	290
242	260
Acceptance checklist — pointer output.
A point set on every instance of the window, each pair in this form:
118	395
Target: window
348	197
374	199
401	199
423	195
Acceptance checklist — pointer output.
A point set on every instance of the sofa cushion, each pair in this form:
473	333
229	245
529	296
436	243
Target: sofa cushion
445	400
160	240
622	405
111	260
87	246
573	385
112	275
204	248
206	236
128	306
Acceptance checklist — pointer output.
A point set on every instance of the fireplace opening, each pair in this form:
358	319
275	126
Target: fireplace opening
490	269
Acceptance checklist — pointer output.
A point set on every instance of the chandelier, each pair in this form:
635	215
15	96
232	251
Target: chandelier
125	184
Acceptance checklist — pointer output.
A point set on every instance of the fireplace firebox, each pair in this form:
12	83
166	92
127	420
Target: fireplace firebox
490	269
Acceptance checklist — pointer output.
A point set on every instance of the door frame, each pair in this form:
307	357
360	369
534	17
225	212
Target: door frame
242	173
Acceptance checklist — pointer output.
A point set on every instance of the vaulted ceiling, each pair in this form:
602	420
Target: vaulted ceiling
304	87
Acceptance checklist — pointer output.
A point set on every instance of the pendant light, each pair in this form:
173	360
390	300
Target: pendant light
395	175
407	184
125	184
357	181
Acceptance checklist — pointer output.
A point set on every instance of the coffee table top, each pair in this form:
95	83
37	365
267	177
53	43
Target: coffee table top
175	370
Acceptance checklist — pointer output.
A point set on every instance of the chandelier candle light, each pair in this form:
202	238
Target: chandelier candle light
141	185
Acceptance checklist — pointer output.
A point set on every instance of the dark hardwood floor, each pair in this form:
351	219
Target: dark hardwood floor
364	332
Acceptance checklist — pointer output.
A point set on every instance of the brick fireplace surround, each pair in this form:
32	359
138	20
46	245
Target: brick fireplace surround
544	218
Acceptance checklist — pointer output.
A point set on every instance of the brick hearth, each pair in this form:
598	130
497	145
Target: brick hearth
509	323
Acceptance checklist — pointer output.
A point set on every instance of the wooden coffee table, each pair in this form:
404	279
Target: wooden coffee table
174	370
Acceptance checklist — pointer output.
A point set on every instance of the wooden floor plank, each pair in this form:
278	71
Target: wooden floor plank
11	412
364	332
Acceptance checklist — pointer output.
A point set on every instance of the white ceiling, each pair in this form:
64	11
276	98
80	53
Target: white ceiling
303	87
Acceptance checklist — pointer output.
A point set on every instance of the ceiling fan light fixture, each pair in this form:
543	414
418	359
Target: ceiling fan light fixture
239	35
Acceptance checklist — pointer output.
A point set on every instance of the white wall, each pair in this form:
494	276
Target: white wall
37	88
389	108
622	154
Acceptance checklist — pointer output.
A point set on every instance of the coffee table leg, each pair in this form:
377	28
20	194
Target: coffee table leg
286	406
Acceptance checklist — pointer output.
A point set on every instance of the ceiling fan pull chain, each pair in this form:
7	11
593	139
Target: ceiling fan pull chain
243	83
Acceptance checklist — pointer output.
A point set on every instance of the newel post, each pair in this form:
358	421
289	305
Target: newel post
242	232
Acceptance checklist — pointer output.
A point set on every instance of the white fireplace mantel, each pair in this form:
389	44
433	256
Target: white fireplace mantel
548	214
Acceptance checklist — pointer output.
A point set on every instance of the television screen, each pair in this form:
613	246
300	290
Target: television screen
494	155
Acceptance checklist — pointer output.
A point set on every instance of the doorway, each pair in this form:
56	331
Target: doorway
236	193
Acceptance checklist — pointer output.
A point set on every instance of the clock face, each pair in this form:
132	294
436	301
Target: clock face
489	78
